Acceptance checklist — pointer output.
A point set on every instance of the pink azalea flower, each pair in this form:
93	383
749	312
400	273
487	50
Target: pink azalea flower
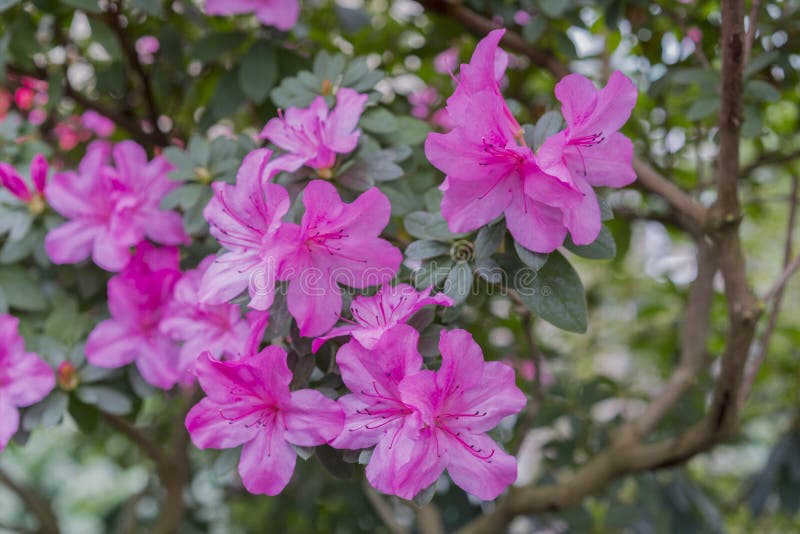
17	186
23	98
147	45
335	243
244	219
25	378
422	100
695	34
590	151
423	422
68	136
100	125
446	61
489	172
374	316
249	403
216	328
314	135
282	14
137	299
522	17
37	117
111	209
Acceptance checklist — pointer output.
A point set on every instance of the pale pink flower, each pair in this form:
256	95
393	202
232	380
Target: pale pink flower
424	422
373	316
137	300
100	125
111	209
249	403
313	136
282	14
445	62
25	378
335	243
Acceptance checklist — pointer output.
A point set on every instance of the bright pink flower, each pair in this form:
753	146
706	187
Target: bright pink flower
111	209
423	422
249	403
23	98
490	174
137	300
443	120
216	328
445	62
335	243
244	219
37	117
17	186
313	136
100	125
590	151
25	378
282	14
373	316
695	34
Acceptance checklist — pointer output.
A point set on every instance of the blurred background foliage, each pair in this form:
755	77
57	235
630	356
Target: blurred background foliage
212	85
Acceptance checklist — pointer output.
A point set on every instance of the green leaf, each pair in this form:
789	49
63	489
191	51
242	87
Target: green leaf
380	121
106	37
534	260
425	250
151	7
554	8
214	45
410	131
489	239
548	124
555	293
258	71
47	413
22	291
703	107
424	225
106	398
459	282
761	91
603	248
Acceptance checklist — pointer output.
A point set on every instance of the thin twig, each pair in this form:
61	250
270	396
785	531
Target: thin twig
383	509
776	295
752	28
48	522
138	437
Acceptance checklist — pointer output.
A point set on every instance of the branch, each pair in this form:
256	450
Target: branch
752	27
776	292
383	509
770	158
136	436
48	522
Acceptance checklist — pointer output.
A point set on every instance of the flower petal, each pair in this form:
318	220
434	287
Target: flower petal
312	418
267	462
210	430
484	478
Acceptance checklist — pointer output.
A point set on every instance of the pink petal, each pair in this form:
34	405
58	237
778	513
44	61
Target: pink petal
111	345
360	430
484	478
468	205
282	14
39	169
65	194
311	418
165	227
209	430
72	241
9	420
267	462
584	221
14	182
109	253
380	370
342	136
462	361
314	302
604	164
159	362
30	379
534	225
227	277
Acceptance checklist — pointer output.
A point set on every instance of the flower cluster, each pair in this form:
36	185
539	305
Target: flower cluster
281	14
111	208
16	185
490	171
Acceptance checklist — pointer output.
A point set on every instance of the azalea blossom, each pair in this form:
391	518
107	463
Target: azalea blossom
489	171
32	196
111	209
314	135
335	243
590	151
137	300
282	14
98	124
25	378
424	422
373	316
216	328
249	403
244	219
446	61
